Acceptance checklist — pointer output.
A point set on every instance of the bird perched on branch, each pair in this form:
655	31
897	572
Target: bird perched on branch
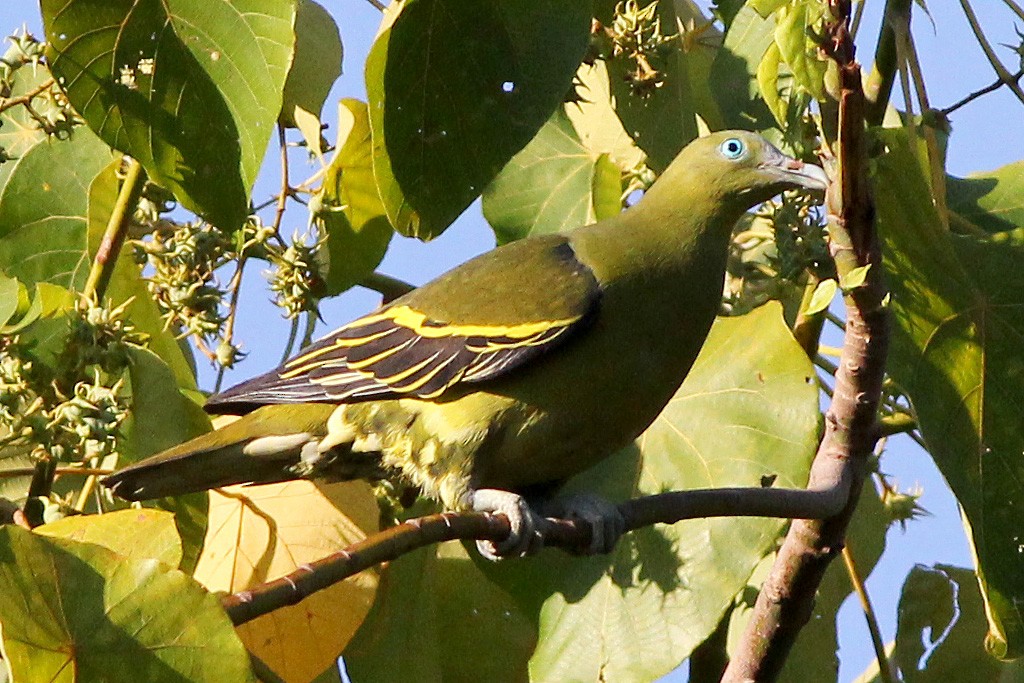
517	369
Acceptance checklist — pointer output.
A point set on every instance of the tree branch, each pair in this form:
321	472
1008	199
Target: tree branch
27	98
665	508
992	87
113	237
786	599
878	87
388	287
990	53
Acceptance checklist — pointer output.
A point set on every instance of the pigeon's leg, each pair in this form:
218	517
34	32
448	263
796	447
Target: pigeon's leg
524	539
606	522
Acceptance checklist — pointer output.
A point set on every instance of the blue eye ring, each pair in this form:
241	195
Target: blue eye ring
733	148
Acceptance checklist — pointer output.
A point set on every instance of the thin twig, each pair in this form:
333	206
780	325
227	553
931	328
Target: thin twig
1017	9
825	364
290	344
996	85
990	53
60	471
378	4
307	334
235	288
884	668
286	188
858	14
27	98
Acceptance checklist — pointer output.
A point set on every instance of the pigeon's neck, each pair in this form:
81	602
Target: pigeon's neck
677	232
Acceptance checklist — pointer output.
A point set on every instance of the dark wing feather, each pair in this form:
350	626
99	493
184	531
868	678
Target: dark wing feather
402	351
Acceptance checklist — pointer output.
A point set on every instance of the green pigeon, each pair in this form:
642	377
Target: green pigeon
510	373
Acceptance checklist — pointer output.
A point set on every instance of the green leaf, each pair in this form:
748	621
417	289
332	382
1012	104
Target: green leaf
350	211
455	90
443	618
134	534
19	131
956	352
854	279
86	613
636	614
941	628
44	194
596	123
190	88
767	7
735	68
664	120
315	68
552	185
991	201
794	34
606	187
768	83
43	203
47	300
163	415
822	297
14	490
10	298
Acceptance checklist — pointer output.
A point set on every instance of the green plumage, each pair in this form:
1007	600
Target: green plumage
523	366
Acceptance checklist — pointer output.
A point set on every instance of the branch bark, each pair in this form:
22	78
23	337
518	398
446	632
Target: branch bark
786	599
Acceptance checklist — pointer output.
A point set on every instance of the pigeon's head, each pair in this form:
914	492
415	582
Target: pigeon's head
740	167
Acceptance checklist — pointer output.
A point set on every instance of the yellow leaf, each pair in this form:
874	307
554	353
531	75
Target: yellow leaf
259	533
136	534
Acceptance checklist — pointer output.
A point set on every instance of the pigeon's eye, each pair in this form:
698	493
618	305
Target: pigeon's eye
733	148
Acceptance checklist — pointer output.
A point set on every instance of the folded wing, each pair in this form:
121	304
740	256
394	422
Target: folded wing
531	297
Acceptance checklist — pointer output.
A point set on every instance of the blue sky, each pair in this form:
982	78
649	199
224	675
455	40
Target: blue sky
986	134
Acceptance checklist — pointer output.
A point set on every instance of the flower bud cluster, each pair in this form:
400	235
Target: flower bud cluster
184	259
636	35
71	408
295	277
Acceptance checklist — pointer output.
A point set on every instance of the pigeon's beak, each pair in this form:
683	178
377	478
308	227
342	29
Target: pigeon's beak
796	172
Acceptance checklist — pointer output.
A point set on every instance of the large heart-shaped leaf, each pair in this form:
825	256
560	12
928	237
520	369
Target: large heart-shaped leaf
448	621
746	412
456	88
956	352
86	613
992	201
259	533
554	184
190	88
44	195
